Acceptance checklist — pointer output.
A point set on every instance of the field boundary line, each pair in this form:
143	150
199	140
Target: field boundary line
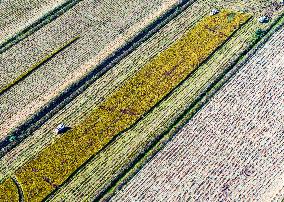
75	89
35	26
37	65
20	190
160	142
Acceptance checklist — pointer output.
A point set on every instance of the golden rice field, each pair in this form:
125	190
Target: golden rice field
32	146
120	119
9	191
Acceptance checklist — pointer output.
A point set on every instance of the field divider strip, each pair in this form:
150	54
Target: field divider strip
37	65
160	142
70	93
44	20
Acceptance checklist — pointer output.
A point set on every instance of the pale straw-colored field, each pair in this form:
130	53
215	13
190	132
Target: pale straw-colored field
16	15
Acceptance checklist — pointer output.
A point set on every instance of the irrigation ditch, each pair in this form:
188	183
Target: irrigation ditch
19	188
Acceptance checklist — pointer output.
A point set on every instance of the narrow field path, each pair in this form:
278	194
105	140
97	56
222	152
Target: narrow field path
232	149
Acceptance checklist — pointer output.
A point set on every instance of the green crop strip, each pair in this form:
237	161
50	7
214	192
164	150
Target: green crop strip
126	105
37	65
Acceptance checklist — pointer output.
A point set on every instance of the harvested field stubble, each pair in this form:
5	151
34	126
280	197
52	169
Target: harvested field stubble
17	15
37	65
231	150
36	25
124	107
16	59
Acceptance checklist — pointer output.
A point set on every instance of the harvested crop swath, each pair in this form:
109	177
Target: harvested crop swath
225	151
126	105
8	191
37	65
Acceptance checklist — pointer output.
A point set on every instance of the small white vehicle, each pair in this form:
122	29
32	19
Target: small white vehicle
263	19
214	11
61	128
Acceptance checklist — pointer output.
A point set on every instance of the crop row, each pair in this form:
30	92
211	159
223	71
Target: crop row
127	104
224	152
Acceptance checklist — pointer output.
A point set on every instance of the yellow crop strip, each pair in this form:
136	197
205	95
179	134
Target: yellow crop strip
9	191
126	105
